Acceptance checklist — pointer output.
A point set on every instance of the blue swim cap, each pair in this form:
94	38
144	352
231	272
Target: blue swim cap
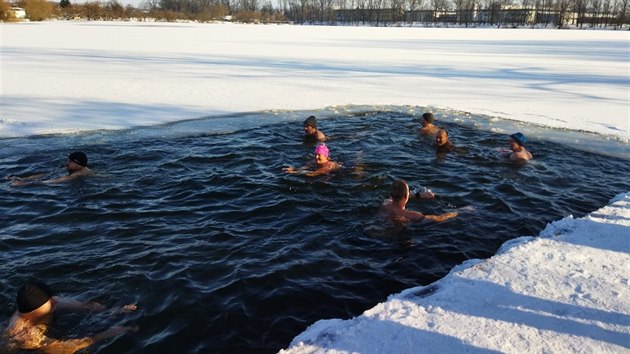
519	138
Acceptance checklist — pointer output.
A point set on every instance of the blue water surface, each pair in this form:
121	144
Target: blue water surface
224	253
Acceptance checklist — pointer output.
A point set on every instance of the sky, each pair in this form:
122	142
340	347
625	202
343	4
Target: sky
567	290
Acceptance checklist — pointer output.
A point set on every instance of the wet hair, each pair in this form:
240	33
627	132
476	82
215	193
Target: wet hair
79	158
311	121
32	296
398	189
428	117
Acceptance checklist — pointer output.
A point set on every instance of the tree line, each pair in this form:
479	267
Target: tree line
500	13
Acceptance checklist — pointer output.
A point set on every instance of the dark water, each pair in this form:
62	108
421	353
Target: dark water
226	254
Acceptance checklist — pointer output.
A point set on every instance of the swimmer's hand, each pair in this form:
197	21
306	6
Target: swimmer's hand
123	309
466	209
129	308
424	195
290	170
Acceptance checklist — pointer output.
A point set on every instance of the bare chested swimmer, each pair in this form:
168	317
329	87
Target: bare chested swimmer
394	208
35	307
312	134
428	128
519	153
76	167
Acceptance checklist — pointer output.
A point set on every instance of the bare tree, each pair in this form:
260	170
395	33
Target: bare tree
561	7
579	7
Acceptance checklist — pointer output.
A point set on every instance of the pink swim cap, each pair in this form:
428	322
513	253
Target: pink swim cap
322	150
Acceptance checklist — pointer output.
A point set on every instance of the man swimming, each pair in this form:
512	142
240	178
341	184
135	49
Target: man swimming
35	306
517	142
428	128
442	144
394	208
312	134
321	164
76	167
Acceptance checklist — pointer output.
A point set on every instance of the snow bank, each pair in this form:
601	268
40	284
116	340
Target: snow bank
566	291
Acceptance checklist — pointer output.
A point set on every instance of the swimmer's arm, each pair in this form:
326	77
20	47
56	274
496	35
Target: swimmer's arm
23	181
413	215
54	346
441	217
324	170
60	179
74	305
35	176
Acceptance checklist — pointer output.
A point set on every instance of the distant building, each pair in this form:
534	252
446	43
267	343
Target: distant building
18	12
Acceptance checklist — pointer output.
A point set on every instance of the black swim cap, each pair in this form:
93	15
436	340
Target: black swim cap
79	158
311	121
32	295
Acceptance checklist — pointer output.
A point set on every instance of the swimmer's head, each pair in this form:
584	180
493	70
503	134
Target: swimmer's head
399	190
33	295
441	137
311	122
428	117
79	158
519	138
321	149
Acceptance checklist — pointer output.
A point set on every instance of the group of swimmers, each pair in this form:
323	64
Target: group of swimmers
36	301
394	208
517	152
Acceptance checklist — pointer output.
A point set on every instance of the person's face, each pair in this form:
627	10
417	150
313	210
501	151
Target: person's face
308	130
441	138
43	310
424	122
72	166
321	159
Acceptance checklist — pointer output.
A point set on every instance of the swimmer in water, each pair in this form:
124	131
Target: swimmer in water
428	128
442	144
36	305
321	164
76	167
312	134
394	208
519	153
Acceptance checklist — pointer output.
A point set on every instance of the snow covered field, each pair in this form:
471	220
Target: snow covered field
566	291
67	77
